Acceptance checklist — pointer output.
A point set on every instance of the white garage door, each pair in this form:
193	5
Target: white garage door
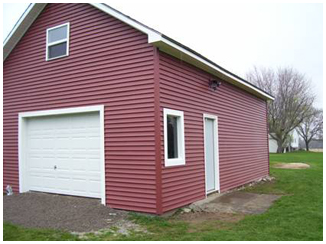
62	154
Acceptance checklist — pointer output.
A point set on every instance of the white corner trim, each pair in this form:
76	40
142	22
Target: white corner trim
181	160
21	138
216	155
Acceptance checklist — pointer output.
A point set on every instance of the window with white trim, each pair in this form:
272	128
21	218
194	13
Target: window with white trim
57	41
174	142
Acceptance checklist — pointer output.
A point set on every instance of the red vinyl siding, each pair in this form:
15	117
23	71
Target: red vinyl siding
109	63
242	130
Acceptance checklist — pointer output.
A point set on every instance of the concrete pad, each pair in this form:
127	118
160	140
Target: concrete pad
237	202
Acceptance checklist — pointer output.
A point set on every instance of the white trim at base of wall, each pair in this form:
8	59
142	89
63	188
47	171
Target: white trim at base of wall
21	138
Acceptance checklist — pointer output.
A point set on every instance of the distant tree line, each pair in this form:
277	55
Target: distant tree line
292	107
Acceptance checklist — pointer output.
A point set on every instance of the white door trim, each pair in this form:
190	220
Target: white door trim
21	139
216	157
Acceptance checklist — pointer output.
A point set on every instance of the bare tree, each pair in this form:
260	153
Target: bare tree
293	100
311	126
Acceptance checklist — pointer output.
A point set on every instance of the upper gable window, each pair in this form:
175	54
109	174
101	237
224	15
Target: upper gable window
57	41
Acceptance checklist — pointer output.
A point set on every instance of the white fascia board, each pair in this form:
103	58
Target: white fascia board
23	24
182	50
153	36
27	11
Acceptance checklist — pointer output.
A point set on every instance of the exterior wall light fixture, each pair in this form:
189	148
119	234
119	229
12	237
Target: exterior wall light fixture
214	84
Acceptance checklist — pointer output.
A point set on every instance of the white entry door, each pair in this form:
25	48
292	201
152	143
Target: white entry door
211	153
63	154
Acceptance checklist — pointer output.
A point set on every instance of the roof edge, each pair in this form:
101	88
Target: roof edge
152	34
22	25
186	54
217	67
154	37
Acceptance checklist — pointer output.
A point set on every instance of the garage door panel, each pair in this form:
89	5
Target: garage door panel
42	181
79	143
93	166
38	163
94	185
79	132
34	142
62	143
79	165
62	165
48	143
95	143
63	154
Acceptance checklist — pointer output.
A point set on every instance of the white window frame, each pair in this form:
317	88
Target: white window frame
57	42
181	139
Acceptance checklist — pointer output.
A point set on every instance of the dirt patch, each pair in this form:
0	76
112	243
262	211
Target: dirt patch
291	166
203	221
123	226
75	214
200	217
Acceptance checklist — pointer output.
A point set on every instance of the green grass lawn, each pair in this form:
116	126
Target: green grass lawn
298	215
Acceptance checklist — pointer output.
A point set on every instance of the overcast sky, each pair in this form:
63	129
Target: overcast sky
235	36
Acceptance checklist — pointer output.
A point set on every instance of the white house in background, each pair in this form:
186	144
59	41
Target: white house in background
292	146
295	140
272	144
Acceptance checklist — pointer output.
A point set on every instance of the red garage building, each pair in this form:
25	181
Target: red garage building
99	105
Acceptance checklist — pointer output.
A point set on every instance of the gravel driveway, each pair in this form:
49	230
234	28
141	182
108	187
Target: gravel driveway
41	210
